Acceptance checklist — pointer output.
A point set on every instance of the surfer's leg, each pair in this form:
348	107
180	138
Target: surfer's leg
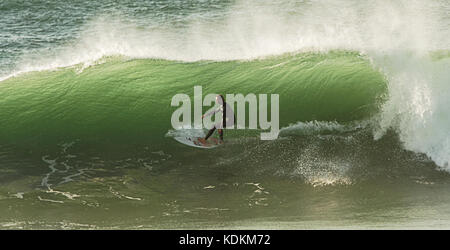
220	134
210	132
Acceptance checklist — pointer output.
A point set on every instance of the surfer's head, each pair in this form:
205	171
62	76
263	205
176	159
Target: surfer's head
220	100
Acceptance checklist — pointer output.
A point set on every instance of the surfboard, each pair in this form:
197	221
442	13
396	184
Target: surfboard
194	142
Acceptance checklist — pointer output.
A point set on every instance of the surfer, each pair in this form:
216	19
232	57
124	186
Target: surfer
227	118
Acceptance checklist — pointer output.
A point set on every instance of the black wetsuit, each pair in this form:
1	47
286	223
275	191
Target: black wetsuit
228	119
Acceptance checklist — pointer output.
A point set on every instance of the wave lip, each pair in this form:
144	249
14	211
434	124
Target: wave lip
248	30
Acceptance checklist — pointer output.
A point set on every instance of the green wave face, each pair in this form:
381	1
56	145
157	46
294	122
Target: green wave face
128	101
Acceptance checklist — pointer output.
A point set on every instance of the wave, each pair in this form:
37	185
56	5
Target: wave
348	60
130	98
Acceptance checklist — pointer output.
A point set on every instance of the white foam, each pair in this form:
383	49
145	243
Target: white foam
19	195
419	105
69	178
320	127
120	196
52	164
48	200
252	29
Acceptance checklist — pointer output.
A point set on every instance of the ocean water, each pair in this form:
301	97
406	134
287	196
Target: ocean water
86	138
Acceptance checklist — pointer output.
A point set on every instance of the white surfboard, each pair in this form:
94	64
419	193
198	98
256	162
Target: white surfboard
194	142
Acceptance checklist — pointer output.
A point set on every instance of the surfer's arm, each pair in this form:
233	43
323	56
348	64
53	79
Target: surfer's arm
211	112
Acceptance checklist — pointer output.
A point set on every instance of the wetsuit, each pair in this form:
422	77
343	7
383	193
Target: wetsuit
227	120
